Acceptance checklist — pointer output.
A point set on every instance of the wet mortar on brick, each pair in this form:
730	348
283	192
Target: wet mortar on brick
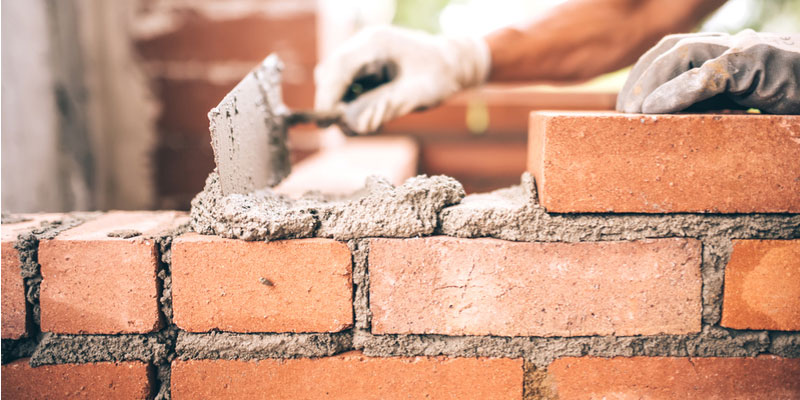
423	206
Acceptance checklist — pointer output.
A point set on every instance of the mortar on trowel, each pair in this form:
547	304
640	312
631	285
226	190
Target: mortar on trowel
249	126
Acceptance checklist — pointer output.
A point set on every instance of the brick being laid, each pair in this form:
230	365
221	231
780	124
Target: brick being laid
453	286
349	376
300	285
100	277
612	162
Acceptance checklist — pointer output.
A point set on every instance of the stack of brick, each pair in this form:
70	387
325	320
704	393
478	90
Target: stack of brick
661	260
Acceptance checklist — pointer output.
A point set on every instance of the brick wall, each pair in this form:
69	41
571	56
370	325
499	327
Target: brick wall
506	299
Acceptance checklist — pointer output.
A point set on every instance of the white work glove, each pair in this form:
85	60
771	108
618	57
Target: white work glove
749	69
423	70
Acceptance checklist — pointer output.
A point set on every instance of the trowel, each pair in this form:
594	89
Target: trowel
249	126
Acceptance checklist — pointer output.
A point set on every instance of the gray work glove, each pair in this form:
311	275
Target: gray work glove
749	69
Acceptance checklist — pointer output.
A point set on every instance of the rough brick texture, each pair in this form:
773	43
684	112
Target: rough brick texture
762	285
286	286
456	286
125	380
95	283
14	307
676	378
598	162
349	376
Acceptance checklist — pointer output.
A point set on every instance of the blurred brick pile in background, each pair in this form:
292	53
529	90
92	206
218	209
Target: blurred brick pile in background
195	52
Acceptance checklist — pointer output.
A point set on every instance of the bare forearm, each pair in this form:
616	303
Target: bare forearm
585	38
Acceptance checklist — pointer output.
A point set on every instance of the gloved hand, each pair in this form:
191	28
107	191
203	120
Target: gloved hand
753	70
424	70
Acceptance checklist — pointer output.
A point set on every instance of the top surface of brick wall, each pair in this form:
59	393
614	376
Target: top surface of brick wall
10	231
144	222
611	162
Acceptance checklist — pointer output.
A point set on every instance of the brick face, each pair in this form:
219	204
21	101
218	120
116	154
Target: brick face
676	378
14	306
762	285
248	38
300	285
454	286
125	380
93	283
349	376
598	162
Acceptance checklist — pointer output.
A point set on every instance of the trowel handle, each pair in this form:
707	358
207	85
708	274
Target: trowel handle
369	77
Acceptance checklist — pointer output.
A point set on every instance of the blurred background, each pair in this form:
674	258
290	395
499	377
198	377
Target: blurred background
104	103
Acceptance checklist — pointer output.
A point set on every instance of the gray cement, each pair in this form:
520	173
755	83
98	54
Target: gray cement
711	342
380	209
243	346
62	349
363	316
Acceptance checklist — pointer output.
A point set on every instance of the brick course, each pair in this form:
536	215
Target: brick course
125	380
457	286
762	285
603	162
349	376
94	283
763	377
300	285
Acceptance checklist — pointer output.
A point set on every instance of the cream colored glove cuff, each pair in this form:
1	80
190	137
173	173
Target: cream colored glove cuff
430	68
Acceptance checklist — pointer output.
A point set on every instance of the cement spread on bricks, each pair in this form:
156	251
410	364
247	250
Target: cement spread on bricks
243	346
711	342
62	349
380	209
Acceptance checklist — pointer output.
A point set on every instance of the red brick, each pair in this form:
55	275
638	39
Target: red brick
105	380
14	306
302	285
676	378
598	162
349	376
93	283
455	286
762	285
474	159
248	38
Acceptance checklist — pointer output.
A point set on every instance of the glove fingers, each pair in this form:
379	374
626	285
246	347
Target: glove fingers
681	58
366	113
335	73
369	111
690	87
664	45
